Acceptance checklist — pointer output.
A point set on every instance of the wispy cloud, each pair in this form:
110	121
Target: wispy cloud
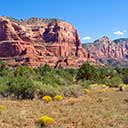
86	38
119	33
125	31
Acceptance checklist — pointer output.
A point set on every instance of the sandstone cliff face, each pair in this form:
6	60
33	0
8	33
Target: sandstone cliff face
38	41
104	49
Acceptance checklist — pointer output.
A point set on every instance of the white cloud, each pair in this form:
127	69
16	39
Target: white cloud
86	38
119	33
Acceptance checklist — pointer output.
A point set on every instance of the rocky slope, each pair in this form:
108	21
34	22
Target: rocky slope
37	41
106	51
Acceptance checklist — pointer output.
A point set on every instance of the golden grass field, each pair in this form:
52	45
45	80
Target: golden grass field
98	109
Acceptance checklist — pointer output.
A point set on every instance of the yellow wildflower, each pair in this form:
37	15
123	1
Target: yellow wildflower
47	99
46	120
86	91
58	97
2	108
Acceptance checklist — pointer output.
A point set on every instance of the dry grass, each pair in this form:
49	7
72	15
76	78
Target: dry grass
107	109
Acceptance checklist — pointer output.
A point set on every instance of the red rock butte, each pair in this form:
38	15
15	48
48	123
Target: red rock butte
36	41
109	52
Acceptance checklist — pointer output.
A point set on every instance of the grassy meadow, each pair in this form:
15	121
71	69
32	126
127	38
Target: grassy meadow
88	97
97	109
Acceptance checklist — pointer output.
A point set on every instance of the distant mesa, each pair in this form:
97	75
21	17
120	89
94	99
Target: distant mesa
108	52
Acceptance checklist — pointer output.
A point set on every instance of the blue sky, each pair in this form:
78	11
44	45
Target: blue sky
92	18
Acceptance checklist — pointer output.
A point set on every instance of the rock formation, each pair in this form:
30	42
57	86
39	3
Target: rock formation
37	41
106	51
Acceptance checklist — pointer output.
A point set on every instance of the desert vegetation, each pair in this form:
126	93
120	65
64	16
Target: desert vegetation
87	97
27	83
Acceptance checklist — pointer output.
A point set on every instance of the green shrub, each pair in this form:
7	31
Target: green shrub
86	72
74	90
85	83
21	87
113	82
46	89
24	71
125	79
25	82
4	69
